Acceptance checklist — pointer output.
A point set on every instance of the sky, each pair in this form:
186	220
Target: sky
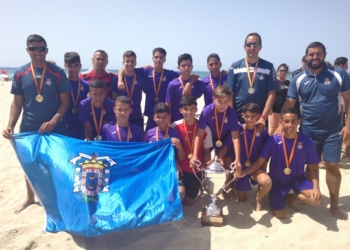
182	26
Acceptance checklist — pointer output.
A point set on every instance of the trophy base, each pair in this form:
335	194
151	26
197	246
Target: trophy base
210	220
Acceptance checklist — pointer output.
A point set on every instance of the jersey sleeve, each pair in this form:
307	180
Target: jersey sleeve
267	149
84	111
169	93
64	85
230	80
208	139
232	119
346	82
271	80
228	141
200	89
109	116
292	90
173	75
114	87
202	123
16	88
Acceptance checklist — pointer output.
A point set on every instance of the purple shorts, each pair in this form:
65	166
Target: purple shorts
278	194
244	184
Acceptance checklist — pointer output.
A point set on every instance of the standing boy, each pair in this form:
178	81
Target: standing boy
189	182
122	131
96	111
133	86
176	87
289	153
215	79
80	90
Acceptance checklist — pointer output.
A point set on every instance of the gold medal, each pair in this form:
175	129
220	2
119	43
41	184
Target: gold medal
75	110
287	171
156	99
190	156
98	138
247	163
218	143
39	98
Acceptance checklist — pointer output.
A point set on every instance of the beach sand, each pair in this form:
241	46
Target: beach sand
309	228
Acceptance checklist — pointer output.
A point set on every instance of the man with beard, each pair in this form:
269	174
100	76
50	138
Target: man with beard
318	88
252	79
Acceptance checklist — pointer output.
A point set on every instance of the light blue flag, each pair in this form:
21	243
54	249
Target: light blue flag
94	188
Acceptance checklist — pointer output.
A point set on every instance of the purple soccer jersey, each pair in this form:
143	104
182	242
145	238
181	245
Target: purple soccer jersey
174	94
207	88
85	113
75	127
305	153
136	96
109	133
207	118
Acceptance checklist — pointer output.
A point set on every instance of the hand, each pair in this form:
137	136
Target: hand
316	195
7	133
238	166
193	162
224	72
279	130
188	89
240	174
176	142
260	125
148	67
345	133
47	127
121	85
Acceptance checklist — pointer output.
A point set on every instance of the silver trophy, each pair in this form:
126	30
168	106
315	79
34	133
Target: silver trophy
212	213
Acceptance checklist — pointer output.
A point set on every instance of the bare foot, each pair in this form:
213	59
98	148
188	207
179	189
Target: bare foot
258	206
24	205
338	213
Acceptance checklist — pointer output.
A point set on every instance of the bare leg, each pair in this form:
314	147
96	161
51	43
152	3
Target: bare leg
182	192
265	185
29	200
333	180
280	214
241	196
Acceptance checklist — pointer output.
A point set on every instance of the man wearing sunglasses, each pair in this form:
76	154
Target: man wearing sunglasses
252	79
41	89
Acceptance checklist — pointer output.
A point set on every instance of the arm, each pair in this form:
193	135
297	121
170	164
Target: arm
193	79
121	74
197	141
180	151
314	176
206	156
88	131
15	112
345	132
254	167
237	149
50	125
271	97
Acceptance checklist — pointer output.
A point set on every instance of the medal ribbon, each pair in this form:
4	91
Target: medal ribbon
78	94
132	86
246	143
190	144
156	90
183	86
166	133
119	136
212	84
251	80
98	128
218	132
288	161
37	86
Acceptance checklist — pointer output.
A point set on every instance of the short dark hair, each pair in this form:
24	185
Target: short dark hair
123	99
213	55
161	107
98	84
183	57
314	45
35	38
222	91
101	52
284	66
187	101
340	61
303	59
160	50
290	111
253	34
71	57
129	53
251	107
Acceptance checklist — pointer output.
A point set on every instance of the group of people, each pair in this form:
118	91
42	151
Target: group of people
100	105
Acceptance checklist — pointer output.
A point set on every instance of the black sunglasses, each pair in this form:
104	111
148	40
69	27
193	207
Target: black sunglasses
254	44
41	49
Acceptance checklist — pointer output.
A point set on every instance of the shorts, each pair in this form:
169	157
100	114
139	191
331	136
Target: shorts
329	143
138	122
278	194
191	184
244	184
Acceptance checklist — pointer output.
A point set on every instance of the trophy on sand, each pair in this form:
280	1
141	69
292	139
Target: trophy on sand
212	213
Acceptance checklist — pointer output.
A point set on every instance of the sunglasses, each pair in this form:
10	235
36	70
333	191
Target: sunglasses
40	49
254	44
283	71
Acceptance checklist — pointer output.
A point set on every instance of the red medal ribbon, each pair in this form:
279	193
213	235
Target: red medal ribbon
166	133
217	123
98	128
119	136
78	94
288	161
251	80
37	86
212	84
156	90
190	143
132	86
246	142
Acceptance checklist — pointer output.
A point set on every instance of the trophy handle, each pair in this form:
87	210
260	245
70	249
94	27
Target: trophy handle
198	165
233	167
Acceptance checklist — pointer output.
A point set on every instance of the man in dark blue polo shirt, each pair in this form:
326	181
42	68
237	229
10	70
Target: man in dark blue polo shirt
41	89
318	88
252	79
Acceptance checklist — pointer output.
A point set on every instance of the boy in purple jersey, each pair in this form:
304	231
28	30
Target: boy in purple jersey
252	142
122	131
96	111
289	153
157	83
133	86
163	131
223	123
215	79
80	90
176	87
